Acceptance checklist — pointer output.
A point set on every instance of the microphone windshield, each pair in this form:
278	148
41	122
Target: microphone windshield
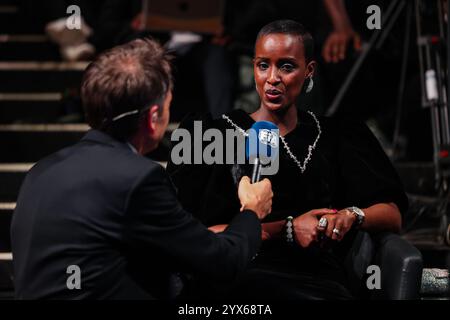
262	142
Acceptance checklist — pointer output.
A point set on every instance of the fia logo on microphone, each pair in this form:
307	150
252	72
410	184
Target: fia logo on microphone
268	137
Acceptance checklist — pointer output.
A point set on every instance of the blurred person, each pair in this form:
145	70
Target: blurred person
102	207
104	24
73	43
326	16
204	67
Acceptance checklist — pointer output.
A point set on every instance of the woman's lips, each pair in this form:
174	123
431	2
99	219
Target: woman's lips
273	95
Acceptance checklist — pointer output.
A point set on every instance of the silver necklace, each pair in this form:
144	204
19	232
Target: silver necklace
311	147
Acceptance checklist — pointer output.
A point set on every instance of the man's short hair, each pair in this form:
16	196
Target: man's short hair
122	83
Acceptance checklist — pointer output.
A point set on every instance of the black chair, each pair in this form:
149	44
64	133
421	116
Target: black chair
399	261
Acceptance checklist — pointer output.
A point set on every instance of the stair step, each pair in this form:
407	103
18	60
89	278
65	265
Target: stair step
8	9
21	17
33	107
27	47
54	127
32	142
6	256
6	214
38	76
12	176
6	269
9	18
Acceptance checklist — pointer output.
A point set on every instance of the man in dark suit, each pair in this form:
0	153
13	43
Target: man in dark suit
99	221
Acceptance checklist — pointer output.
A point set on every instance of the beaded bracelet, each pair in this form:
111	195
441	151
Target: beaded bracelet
289	230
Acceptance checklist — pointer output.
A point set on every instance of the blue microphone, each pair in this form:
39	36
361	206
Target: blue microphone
261	146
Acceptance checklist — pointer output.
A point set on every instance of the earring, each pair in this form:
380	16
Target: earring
310	85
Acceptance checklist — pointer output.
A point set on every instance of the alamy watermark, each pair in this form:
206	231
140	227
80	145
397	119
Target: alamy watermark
73	22
374	20
214	147
373	282
74	279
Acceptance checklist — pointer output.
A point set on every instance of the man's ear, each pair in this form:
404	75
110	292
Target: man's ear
152	118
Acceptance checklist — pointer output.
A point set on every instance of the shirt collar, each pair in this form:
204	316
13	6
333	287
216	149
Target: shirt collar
132	148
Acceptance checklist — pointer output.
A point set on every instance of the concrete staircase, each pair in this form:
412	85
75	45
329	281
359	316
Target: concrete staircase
40	113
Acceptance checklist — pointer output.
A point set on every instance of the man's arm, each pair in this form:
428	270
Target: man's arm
157	223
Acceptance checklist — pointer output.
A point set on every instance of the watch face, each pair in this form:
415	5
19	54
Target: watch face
358	211
359	215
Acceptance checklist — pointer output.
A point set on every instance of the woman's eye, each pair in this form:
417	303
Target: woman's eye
263	66
288	67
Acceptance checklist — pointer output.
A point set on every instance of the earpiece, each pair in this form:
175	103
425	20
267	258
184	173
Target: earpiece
155	117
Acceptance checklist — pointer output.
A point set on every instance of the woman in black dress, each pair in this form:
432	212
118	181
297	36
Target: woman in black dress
333	179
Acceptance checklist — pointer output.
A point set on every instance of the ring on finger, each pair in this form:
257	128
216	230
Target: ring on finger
337	231
323	222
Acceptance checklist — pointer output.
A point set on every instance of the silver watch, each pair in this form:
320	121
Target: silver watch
360	216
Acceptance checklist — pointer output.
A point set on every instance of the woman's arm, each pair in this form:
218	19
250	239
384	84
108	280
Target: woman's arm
305	226
382	217
272	229
378	217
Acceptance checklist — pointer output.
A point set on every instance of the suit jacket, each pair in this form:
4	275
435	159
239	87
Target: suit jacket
114	214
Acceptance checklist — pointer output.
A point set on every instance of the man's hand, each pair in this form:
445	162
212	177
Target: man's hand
256	197
305	226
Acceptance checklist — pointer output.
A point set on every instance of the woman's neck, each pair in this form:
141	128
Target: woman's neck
285	120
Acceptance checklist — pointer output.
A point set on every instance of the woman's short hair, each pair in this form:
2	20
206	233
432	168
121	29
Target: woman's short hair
290	27
122	83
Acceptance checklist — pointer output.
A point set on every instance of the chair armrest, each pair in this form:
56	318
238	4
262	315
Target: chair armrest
401	267
359	257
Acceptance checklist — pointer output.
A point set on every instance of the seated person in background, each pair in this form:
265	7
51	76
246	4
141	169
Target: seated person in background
104	24
102	208
331	171
328	20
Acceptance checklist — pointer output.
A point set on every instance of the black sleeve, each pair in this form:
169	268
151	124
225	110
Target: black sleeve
366	172
156	221
191	179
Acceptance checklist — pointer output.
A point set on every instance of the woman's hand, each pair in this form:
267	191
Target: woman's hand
305	226
341	222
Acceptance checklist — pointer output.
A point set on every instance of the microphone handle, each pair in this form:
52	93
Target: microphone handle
256	174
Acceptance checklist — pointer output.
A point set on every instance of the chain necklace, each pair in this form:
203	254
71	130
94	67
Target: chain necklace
311	147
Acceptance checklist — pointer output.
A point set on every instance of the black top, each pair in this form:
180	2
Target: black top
347	168
114	214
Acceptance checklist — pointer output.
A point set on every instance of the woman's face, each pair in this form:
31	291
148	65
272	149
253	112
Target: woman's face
280	70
